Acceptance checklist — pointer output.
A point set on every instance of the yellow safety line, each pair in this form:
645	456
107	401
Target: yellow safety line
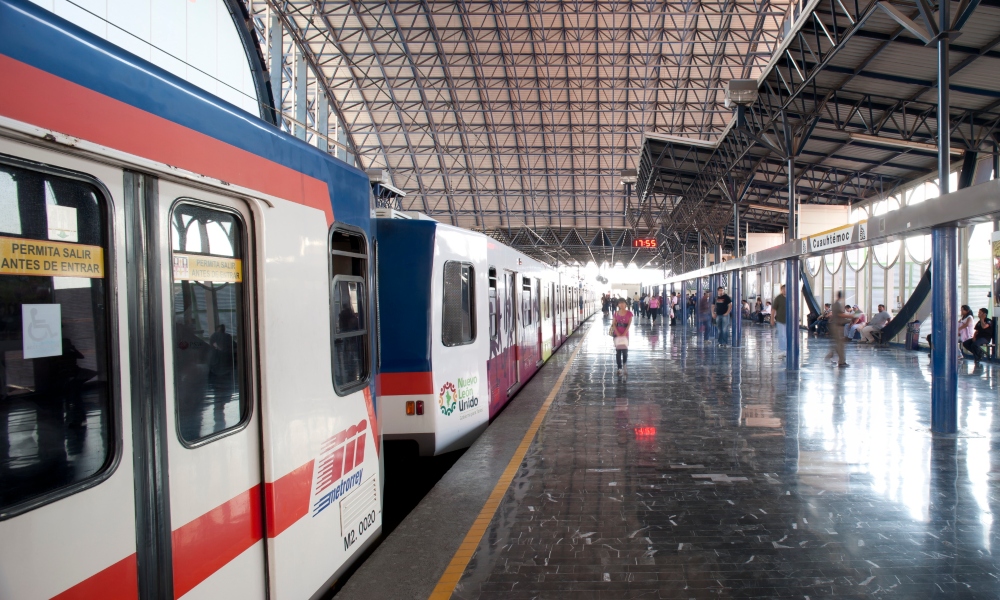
446	585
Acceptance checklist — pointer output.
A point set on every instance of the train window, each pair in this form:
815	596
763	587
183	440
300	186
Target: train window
526	311
537	308
494	309
349	293
57	419
209	315
458	322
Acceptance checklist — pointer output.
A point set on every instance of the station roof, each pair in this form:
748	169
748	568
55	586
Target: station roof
517	118
856	91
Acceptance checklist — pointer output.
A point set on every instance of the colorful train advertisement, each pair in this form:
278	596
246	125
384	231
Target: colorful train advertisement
995	239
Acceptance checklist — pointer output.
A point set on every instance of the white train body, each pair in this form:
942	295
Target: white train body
187	366
471	320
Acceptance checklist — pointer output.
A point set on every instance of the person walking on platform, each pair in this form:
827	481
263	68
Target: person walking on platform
778	321
673	309
654	307
620	329
720	311
838	318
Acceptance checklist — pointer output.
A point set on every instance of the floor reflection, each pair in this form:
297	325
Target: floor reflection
712	472
48	441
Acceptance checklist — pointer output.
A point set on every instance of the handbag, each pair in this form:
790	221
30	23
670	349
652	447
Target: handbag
611	331
621	341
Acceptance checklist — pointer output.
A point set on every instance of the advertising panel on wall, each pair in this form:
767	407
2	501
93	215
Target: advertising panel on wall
995	241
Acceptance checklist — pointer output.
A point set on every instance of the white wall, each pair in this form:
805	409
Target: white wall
196	40
762	241
815	218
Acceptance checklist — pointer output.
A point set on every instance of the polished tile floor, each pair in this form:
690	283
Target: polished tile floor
712	473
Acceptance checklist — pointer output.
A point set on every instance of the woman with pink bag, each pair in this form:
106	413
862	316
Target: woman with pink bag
619	330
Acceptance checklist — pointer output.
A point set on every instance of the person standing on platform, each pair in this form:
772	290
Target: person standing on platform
720	310
654	307
673	308
838	318
704	314
620	329
778	321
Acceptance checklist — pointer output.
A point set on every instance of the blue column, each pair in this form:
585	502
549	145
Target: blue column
737	295
684	306
793	295
698	291
944	334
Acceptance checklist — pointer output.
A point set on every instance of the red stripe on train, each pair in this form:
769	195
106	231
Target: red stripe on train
206	544
117	582
405	384
51	102
203	546
287	499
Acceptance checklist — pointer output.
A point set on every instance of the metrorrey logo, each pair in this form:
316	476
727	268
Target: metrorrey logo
448	398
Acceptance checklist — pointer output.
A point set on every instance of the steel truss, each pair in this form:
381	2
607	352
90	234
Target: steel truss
502	115
846	118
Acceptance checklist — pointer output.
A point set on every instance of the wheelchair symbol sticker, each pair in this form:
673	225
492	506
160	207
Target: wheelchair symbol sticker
41	326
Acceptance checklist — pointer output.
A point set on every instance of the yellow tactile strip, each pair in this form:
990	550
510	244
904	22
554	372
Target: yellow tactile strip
453	572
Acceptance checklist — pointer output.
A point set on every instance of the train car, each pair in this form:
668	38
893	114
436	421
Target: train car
471	320
186	374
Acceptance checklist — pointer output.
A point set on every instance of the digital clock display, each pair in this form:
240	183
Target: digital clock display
644	243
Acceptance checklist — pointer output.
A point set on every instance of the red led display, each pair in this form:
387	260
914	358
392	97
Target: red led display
645	431
644	243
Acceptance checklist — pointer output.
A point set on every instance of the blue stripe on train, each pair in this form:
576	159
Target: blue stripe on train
406	260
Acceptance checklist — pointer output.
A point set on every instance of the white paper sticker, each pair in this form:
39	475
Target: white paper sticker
62	223
41	325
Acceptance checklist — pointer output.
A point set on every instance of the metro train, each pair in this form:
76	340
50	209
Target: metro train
471	320
180	416
188	337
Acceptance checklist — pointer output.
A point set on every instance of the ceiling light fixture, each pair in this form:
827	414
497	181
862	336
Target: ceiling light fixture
741	92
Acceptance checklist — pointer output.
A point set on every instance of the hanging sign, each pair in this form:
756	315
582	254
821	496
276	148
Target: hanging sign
42	258
198	267
834	238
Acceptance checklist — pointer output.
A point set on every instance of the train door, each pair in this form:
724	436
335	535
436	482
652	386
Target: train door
67	503
203	253
565	315
509	322
536	306
554	306
527	337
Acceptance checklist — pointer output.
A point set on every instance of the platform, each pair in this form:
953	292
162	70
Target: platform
713	473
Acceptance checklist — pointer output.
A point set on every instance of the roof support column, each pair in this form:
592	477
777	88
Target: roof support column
684	306
301	104
684	288
734	282
277	52
793	293
322	121
944	261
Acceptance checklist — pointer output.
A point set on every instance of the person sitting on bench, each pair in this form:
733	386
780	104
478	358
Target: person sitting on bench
877	323
982	337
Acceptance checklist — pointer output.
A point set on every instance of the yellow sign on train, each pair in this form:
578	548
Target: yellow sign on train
198	267
42	258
